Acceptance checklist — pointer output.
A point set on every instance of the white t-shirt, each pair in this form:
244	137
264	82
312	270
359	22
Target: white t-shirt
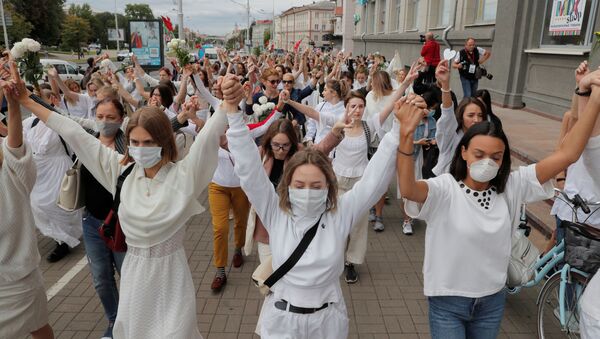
224	175
82	108
584	179
468	237
336	110
374	106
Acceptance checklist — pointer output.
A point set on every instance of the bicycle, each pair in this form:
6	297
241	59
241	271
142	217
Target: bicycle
558	300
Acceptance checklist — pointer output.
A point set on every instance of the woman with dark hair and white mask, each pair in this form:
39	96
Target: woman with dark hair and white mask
307	302
158	298
471	213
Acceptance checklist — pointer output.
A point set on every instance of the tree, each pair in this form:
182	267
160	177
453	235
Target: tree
46	17
75	30
21	28
138	12
105	21
266	37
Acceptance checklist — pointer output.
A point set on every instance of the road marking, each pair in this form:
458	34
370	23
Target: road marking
52	291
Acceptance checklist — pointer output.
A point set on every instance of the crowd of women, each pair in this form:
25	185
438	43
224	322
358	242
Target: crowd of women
300	151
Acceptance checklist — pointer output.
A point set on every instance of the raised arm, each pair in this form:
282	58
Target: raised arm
304	109
410	110
575	141
53	75
204	93
183	85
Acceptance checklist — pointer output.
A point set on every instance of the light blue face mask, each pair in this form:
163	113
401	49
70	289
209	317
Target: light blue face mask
431	114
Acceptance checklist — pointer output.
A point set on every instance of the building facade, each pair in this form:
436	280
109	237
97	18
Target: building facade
535	45
309	23
258	29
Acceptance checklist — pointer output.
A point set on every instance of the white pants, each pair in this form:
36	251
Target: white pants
357	242
264	251
330	322
590	326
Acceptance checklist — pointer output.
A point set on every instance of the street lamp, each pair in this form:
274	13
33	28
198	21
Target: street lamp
247	7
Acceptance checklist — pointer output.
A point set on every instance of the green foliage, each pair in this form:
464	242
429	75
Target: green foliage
256	51
45	16
138	12
75	31
266	36
21	28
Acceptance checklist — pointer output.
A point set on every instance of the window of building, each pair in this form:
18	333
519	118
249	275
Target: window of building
396	18
316	15
444	12
485	11
557	31
316	27
323	27
381	19
412	14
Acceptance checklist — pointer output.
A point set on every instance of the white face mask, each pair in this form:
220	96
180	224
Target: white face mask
483	170
308	202
107	128
146	157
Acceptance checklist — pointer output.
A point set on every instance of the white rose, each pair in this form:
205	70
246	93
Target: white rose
264	107
18	50
256	108
31	45
270	105
170	44
263	100
174	43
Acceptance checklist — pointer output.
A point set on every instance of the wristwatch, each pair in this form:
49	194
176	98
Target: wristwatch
583	94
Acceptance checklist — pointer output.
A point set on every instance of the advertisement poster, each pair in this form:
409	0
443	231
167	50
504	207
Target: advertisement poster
566	17
112	34
145	40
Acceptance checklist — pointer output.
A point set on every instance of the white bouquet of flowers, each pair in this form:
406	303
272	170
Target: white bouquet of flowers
178	49
263	109
26	54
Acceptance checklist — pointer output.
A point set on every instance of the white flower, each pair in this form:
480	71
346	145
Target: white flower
264	108
270	105
170	44
18	50
263	100
256	108
174	43
32	45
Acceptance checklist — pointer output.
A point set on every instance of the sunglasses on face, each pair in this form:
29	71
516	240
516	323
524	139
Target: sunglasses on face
285	82
278	147
273	82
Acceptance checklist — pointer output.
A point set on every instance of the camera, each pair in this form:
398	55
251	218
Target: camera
421	38
484	73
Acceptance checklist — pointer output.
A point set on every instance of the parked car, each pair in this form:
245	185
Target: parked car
94	46
211	54
66	70
122	55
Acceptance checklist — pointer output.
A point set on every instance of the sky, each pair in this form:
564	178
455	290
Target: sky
206	16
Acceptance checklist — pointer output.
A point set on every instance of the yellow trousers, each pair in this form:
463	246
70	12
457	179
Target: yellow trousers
221	200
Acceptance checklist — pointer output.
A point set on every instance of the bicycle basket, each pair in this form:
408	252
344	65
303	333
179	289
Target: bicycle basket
582	246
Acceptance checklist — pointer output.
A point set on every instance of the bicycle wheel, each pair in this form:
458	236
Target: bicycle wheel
548	316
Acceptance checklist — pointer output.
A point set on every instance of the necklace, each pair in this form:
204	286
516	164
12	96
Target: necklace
147	186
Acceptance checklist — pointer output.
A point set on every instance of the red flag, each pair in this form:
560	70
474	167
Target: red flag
167	22
297	44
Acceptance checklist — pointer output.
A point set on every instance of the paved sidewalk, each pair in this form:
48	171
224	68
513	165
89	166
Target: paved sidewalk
387	302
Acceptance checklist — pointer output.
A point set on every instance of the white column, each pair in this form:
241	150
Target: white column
348	25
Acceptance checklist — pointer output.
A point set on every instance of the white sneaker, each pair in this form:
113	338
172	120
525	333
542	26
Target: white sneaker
372	216
407	227
378	226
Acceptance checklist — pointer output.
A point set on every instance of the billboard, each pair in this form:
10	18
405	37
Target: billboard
112	34
146	42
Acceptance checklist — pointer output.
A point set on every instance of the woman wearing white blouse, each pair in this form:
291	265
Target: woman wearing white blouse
307	302
350	159
471	212
157	199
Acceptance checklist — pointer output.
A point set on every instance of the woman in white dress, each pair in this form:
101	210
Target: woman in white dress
158	298
307	302
52	158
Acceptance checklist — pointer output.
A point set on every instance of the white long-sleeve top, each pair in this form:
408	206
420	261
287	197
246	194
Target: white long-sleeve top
152	210
336	110
447	139
19	253
314	280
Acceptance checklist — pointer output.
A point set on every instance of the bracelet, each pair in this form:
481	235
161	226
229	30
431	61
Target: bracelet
583	94
404	153
560	179
445	91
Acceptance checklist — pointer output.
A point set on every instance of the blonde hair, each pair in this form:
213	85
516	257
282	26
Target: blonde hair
382	84
153	120
309	156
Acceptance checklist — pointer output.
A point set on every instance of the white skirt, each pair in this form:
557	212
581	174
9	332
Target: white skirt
24	306
157	297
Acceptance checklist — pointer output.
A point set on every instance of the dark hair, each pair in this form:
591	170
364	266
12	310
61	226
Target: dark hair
484	95
352	95
166	94
168	71
340	87
432	96
116	104
461	110
458	167
90	62
286	127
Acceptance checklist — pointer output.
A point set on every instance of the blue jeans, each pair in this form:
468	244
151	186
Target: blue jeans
461	317
469	87
102	262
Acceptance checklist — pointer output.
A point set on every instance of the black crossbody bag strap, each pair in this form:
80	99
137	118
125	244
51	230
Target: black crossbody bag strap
296	255
120	180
